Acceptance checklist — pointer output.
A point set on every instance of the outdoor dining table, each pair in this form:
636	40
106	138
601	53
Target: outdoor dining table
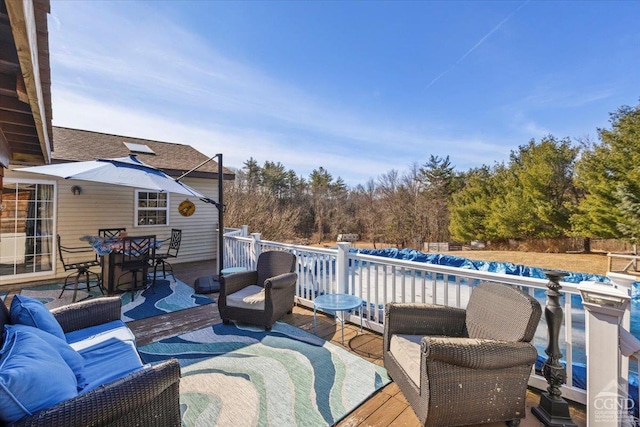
110	250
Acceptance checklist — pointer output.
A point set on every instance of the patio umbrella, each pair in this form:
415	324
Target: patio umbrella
131	172
126	171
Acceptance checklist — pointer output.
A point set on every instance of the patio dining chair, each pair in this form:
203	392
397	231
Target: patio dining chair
172	252
137	255
459	367
111	233
79	260
108	234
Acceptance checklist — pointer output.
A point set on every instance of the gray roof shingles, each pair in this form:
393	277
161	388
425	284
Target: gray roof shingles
80	145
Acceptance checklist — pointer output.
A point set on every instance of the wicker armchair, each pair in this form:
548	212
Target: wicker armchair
262	296
459	367
148	397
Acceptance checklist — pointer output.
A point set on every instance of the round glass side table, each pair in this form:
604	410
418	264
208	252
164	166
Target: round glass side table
336	303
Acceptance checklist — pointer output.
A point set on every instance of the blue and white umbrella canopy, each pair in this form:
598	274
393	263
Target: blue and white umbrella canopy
125	171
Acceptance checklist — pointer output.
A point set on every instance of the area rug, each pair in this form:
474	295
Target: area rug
165	297
244	376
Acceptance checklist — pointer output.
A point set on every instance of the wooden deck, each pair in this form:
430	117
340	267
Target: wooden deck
387	407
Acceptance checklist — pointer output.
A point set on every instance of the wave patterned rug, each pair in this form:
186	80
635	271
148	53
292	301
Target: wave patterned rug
244	376
167	296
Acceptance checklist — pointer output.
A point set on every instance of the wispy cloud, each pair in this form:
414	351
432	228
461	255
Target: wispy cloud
478	44
238	144
552	98
140	74
556	95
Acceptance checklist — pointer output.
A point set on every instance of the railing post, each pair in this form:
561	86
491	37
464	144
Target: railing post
244	230
256	249
625	283
553	409
608	402
342	268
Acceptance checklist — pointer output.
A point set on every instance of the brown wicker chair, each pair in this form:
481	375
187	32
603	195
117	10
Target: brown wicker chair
262	296
149	397
459	367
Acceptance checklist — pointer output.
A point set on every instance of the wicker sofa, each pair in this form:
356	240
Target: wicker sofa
459	367
148	396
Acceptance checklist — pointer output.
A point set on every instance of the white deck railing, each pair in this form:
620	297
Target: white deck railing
378	280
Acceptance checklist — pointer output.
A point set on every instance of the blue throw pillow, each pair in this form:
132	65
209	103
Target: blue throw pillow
72	357
31	312
33	376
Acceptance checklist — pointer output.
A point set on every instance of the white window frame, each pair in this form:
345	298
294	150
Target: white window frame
137	209
54	241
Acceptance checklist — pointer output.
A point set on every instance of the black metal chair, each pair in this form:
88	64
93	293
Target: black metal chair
111	233
79	260
138	253
172	252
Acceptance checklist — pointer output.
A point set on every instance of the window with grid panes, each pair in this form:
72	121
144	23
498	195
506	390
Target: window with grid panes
152	208
26	227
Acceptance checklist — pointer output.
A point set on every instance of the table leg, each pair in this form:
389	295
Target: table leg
75	288
342	329
315	326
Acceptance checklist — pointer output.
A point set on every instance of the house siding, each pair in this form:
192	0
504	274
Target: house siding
112	206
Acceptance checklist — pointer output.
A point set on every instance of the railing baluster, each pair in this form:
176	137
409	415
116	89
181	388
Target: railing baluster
434	288
568	334
385	288
360	270
394	291
376	287
413	285
402	284
446	289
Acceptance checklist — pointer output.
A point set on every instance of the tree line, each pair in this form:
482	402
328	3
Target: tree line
549	188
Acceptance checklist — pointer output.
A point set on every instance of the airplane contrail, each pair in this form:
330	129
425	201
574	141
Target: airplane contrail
486	36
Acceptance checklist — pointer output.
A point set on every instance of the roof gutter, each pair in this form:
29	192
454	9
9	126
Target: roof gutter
25	33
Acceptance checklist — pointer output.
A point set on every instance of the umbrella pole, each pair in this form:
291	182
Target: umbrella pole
220	215
208	284
219	205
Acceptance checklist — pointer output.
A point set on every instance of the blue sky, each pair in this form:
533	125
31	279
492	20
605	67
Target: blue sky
359	88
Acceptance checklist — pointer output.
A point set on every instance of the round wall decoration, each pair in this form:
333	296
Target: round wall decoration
187	208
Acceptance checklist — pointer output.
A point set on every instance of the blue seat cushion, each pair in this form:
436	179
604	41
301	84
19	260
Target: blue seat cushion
108	361
33	376
31	312
93	335
70	356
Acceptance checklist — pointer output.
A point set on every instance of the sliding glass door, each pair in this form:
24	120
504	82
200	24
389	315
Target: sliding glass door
26	227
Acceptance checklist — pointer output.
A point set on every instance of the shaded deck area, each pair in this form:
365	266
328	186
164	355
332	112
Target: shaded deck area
387	407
